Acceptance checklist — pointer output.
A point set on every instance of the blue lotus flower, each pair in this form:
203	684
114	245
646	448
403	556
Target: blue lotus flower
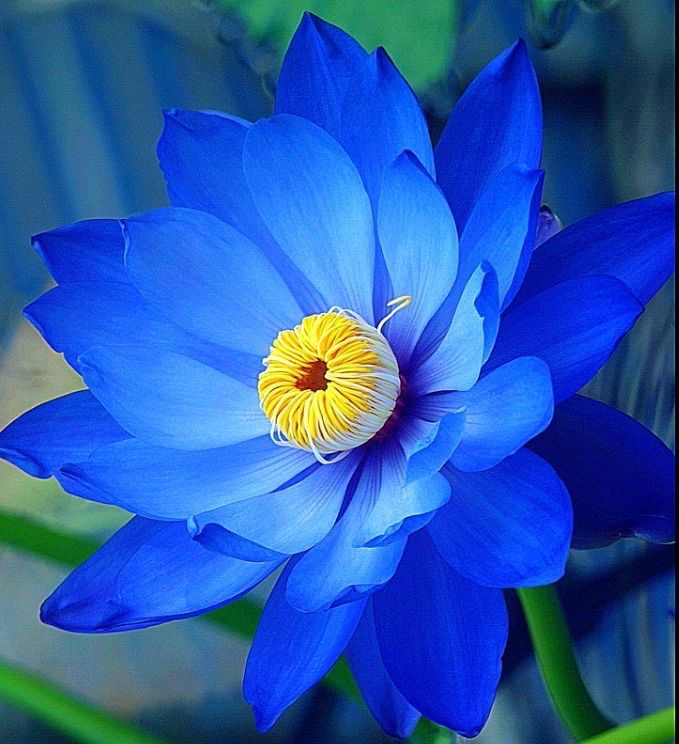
330	355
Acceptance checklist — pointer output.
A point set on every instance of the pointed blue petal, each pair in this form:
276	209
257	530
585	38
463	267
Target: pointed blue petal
64	429
619	474
441	638
310	197
497	122
318	65
170	399
634	242
292	650
573	326
148	573
509	526
393	712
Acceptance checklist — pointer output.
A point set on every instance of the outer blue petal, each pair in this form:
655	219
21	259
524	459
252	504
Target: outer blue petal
509	526
501	227
310	196
337	570
61	430
201	154
292	650
84	251
419	243
497	122
504	410
434	451
380	119
634	242
320	61
393	712
72	317
574	326
208	278
148	573
176	484
620	476
172	400
441	638
289	520
467	340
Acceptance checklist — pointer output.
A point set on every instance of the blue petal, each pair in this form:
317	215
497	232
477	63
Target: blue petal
337	569
497	122
72	317
208	278
634	242
292	519
501	227
419	244
441	638
84	251
201	154
380	119
176	484
148	573
456	363
504	410
292	650
61	430
310	196
437	448
574	326
320	61
509	526
214	537
619	474
171	400
392	711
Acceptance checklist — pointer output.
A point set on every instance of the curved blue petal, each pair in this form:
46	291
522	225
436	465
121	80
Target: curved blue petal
208	278
91	250
497	122
201	155
164	483
441	638
573	326
434	451
619	474
509	526
69	428
634	242
72	317
292	519
504	410
214	537
310	196
148	573
381	118
318	65
292	650
170	399
501	227
466	342
339	569
419	243
392	711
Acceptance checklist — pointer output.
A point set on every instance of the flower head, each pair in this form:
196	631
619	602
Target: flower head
337	352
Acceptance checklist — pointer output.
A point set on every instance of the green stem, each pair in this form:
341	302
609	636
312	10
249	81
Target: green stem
79	720
556	660
656	728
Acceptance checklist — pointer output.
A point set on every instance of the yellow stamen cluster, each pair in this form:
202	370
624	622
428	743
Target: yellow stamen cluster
329	385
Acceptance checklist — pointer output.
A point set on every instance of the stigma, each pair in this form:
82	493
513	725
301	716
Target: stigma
331	383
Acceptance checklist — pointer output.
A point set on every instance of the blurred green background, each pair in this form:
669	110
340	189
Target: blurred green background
82	85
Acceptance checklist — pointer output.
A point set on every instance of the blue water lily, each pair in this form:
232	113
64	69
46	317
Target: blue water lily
339	352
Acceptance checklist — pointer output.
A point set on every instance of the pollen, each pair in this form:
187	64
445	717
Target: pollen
329	384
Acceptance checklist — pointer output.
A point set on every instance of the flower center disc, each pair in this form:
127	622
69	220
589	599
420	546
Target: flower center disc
330	384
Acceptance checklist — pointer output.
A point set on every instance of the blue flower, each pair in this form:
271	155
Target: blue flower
339	352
